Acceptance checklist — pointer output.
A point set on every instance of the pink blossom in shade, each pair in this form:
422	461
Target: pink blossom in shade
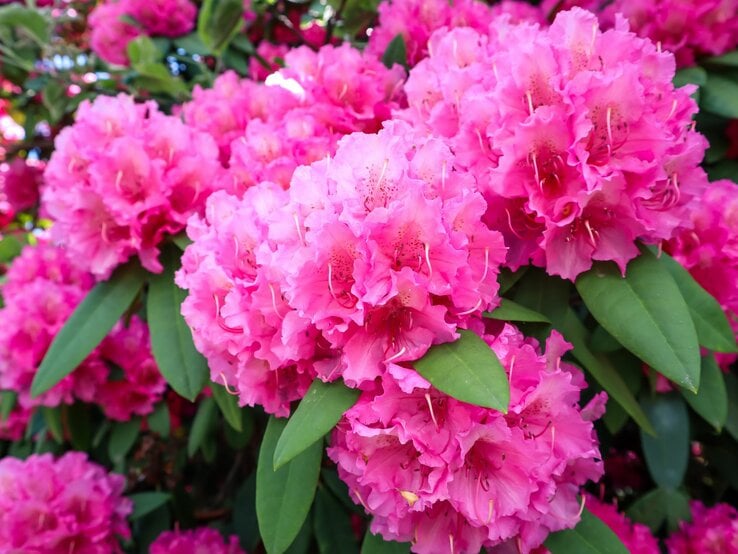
124	176
139	385
65	505
636	537
452	477
13	427
687	28
710	250
574	166
712	531
110	33
166	18
196	541
19	183
272	55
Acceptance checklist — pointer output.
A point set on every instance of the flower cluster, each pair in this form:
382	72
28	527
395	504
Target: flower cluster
265	130
44	285
452	477
121	178
636	537
370	258
19	186
63	505
710	250
196	541
712	531
115	23
577	137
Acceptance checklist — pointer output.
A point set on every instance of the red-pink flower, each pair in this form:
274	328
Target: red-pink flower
20	181
166	18
711	531
636	537
196	541
65	505
110	32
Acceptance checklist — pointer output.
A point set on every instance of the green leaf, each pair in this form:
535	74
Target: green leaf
719	95
659	506
690	75
8	400
508	279
142	50
30	21
731	422
667	453
87	326
155	77
52	417
79	425
318	412
375	544
711	402
10	247
512	311
146	502
159	420
332	526
729	59
396	52
122	438
646	313
468	370
202	425
184	368
284	496
590	536
244	514
543	293
710	321
228	404
181	240
219	22
192	44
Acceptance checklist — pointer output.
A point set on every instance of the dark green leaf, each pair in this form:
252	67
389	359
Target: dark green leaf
8	400
667	453
646	313
228	404
332	526
508	279
468	370
159	420
79	425
192	44
729	59
202	426
710	321
690	75
143	50
659	506
10	247
590	536
52	417
731	422
711	402
375	544
87	326
146	502
396	52
219	22
512	311
28	20
602	341
181	240
122	438
303	542
244	514
284	496
184	368
155	77
318	412
720	96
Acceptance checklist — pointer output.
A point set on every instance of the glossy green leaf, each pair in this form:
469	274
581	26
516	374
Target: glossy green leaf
146	502
318	412
646	313
219	22
332	526
396	52
690	75
122	438
512	311
719	95
660	506
228	404
90	322
468	370
8	401
710	322
159	420
27	20
143	50
711	402
184	368
729	59
202	426
590	536
52	417
667	453
375	544
284	496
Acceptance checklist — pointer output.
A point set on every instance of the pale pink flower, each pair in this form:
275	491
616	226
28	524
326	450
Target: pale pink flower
195	541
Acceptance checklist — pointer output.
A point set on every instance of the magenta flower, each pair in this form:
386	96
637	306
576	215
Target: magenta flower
636	537
712	531
19	184
196	541
165	18
110	33
63	505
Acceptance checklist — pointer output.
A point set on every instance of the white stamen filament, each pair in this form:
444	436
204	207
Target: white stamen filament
274	301
430	408
344	90
591	233
299	229
490	510
451	543
512	366
581	507
474	309
608	119
226	386
118	179
529	96
427	260
396	355
486	262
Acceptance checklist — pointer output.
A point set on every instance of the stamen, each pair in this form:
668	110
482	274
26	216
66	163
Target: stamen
535	166
360	499
591	233
430	407
237	247
299	229
171	153
330	282
481	140
673	109
581	507
219	318
70	165
490	510
274	301
608	119
104	232
396	355
553	438
451	543
427	260
494	70
486	263
410	497
530	101
474	309
344	90
509	224
661	249
226	386
512	366
455	50
658	46
118	179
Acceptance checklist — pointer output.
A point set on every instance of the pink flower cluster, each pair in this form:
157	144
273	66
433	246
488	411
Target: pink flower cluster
710	250
63	505
712	531
452	477
121	178
196	541
115	23
370	258
19	184
636	537
577	137
265	130
13	427
43	287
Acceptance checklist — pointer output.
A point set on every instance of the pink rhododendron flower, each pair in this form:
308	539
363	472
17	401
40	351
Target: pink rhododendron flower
272	55
196	541
636	537
13	427
369	259
63	505
121	178
577	138
710	250
110	33
165	18
453	477
712	531
19	184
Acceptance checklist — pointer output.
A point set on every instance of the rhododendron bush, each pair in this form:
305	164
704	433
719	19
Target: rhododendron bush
351	276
